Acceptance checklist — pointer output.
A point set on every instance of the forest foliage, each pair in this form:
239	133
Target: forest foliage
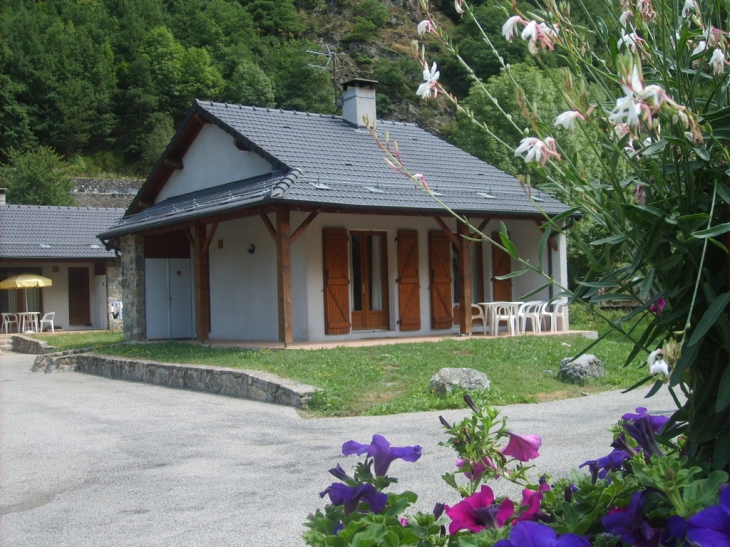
104	83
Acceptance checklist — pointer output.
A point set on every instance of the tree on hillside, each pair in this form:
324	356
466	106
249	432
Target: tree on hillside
37	177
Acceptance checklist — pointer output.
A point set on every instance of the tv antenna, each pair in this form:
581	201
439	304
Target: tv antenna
330	65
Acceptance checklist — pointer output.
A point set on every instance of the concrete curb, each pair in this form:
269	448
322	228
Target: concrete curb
247	384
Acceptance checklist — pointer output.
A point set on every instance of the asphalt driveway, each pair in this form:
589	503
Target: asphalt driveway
89	461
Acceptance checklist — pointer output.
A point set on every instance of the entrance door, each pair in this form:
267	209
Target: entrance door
501	265
79	310
169	303
369	280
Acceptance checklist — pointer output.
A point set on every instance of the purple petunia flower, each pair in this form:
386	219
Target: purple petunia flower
522	447
533	534
657	422
711	526
628	524
479	511
351	496
340	473
612	462
382	453
642	432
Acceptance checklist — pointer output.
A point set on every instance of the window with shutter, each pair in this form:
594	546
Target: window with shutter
336	281
409	294
439	258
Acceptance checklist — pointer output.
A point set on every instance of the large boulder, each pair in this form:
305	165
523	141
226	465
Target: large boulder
447	380
581	369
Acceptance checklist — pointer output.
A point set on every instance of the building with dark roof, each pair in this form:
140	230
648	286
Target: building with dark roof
264	224
60	243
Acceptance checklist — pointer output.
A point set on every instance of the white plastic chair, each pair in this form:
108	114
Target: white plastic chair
555	316
48	319
477	314
9	319
531	311
506	313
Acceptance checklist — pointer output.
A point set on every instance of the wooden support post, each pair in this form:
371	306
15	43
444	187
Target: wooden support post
283	274
303	226
269	226
464	278
455	240
202	283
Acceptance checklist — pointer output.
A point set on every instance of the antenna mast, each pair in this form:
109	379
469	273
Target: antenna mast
330	65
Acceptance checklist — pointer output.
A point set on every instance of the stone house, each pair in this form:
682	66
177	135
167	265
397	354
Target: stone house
60	243
272	225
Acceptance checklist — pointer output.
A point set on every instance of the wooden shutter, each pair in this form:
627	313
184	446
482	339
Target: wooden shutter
501	265
336	281
439	258
409	293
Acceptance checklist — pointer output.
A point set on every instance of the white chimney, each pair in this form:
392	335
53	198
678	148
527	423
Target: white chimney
3	191
358	100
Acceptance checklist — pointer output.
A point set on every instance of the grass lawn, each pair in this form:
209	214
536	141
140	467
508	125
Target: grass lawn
80	339
395	378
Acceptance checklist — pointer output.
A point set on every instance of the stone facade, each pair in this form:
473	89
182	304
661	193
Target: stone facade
115	310
133	288
247	384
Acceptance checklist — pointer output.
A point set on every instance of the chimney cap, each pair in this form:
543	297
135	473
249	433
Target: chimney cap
359	82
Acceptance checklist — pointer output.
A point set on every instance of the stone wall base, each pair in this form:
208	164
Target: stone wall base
247	384
26	344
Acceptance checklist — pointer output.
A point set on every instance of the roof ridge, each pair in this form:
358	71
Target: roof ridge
282	187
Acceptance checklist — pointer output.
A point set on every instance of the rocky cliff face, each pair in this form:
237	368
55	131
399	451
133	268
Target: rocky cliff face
105	192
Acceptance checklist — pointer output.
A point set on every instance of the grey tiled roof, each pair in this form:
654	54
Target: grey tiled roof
35	231
340	165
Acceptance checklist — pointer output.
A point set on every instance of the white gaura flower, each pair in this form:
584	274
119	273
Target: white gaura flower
509	29
657	364
457	7
702	46
629	40
428	87
689	7
567	118
530	31
537	150
627	110
625	17
425	26
718	62
632	82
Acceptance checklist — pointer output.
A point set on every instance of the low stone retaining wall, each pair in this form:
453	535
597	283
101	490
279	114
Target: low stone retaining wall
25	344
247	384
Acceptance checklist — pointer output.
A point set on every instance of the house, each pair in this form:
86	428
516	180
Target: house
272	225
60	243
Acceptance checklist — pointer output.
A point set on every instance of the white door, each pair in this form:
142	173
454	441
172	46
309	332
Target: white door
168	297
181	302
99	315
157	298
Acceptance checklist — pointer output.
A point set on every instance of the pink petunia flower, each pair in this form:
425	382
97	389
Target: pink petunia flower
657	307
532	500
522	447
478	512
478	468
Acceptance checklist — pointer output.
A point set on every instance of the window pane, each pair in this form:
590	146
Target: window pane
376	272
356	270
